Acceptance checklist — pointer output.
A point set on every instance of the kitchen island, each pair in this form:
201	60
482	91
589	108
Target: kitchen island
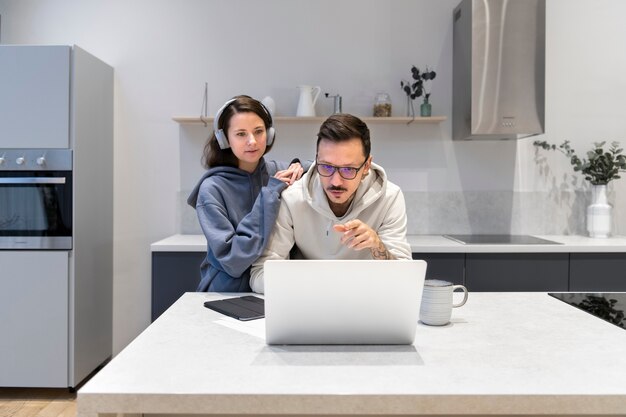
502	354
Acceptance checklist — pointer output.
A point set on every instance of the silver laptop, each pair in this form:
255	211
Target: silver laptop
319	302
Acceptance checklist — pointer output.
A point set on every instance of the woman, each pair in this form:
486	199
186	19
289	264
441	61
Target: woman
238	197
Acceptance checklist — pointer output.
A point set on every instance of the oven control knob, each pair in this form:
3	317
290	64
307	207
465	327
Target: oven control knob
20	160
1	160
41	161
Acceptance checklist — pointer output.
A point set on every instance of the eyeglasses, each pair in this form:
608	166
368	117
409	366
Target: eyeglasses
347	173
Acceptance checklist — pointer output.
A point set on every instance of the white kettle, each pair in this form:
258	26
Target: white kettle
308	97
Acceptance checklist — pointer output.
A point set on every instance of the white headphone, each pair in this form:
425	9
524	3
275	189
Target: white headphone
222	140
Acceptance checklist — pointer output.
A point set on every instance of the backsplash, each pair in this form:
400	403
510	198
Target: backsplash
495	212
478	212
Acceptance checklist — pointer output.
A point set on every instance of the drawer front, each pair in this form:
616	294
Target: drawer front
517	272
446	266
598	272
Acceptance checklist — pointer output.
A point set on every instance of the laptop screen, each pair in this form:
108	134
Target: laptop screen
342	301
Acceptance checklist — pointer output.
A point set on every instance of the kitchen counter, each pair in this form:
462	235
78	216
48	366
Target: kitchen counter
503	353
440	244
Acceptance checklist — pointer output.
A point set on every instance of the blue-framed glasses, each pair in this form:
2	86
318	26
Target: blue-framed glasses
347	173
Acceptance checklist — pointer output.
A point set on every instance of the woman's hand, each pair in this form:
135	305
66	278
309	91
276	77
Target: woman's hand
291	174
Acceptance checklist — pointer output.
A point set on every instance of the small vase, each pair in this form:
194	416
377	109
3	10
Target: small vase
599	213
410	110
425	108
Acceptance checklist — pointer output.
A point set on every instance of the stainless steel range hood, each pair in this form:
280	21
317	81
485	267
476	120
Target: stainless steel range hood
498	69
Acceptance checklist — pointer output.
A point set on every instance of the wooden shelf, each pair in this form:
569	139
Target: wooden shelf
319	120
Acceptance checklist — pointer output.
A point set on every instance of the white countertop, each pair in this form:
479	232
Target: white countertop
440	244
503	353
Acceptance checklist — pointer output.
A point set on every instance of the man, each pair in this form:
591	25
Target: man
342	208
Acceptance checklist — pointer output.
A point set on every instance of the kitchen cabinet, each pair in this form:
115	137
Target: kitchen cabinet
35	96
517	271
599	272
500	271
56	323
173	274
577	264
446	266
34	329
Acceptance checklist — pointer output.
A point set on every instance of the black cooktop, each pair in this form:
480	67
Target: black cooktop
608	306
500	240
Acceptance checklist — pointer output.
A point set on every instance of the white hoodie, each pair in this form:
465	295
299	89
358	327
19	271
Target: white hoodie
306	220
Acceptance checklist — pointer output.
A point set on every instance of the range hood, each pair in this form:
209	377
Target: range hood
498	69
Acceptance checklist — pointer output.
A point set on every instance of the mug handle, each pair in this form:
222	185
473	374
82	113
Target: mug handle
456	287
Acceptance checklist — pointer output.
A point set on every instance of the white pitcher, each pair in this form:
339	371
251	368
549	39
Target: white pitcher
308	97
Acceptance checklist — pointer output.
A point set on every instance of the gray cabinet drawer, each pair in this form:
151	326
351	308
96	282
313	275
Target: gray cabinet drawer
601	272
516	272
446	266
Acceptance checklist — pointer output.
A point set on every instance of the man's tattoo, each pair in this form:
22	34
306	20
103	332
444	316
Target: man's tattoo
381	252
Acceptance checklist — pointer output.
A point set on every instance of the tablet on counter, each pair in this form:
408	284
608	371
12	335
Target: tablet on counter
243	308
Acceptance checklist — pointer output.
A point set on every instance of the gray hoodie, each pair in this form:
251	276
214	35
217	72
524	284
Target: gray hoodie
237	211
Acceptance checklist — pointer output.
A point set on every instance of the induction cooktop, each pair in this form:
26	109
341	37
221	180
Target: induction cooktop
609	306
500	240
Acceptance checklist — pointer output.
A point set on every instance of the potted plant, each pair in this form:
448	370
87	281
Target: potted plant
414	89
599	168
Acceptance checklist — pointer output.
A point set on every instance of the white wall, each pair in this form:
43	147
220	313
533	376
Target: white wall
164	50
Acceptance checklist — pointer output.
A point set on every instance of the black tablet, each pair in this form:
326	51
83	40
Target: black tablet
243	308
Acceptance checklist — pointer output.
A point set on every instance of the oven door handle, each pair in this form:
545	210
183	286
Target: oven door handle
32	180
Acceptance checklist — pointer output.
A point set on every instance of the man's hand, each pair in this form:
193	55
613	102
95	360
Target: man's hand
291	174
358	236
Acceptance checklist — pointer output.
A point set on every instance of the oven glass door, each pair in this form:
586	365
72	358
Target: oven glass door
36	210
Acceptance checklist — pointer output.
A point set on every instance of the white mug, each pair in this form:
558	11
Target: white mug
437	304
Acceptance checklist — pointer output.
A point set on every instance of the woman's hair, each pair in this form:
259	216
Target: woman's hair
342	127
213	155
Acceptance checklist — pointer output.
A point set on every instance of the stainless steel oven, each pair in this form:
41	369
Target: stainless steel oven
36	199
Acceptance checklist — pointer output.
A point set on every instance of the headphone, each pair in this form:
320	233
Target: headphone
222	140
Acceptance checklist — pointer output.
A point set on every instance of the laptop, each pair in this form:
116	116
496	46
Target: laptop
342	302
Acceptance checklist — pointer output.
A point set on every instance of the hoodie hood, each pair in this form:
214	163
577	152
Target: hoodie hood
372	188
305	222
231	174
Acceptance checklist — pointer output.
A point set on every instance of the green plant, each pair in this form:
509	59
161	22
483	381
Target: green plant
416	88
599	167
